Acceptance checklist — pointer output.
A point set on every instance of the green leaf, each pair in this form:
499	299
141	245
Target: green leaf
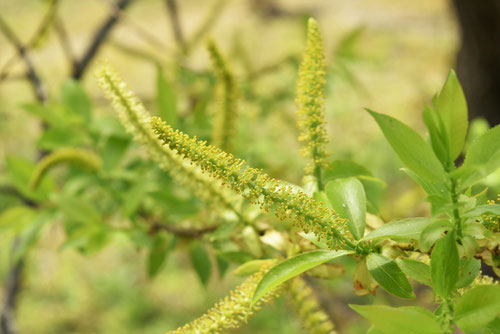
492	209
339	169
45	113
406	319
417	270
433	232
373	186
452	107
292	267
469	269
158	253
388	274
17	218
347	197
478	307
482	158
250	267
20	171
409	228
413	151
113	152
166	99
222	266
29	237
79	210
437	135
444	265
58	137
75	100
201	262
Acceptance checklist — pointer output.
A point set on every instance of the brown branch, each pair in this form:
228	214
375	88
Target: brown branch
173	14
191	233
63	37
32	75
37	36
12	288
100	36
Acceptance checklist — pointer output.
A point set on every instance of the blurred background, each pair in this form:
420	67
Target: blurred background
390	56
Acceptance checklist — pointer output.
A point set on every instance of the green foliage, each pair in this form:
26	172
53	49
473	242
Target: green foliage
478	307
347	197
74	156
335	222
444	265
392	320
293	267
388	274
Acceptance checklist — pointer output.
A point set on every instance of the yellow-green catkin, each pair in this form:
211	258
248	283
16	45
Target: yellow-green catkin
225	118
71	155
135	119
310	101
256	186
232	311
304	302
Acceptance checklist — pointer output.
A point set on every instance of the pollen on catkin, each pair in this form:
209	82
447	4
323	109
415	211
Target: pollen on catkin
135	119
232	311
225	118
256	186
305	304
310	101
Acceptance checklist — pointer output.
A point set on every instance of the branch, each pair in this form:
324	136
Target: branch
37	36
173	13
191	233
100	36
63	37
12	288
32	75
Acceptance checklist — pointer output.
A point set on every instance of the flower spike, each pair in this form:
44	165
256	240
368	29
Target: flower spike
224	127
256	186
232	311
310	101
135	119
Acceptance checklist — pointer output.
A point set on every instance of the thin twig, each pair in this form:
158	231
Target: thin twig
37	36
191	233
99	37
32	75
173	13
63	37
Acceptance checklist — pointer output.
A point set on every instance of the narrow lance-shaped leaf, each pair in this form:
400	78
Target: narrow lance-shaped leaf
437	135
415	153
478	307
409	228
293	267
201	262
387	273
444	265
482	158
417	270
452	107
348	198
406	319
75	100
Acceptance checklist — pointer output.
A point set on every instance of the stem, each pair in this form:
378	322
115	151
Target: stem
456	215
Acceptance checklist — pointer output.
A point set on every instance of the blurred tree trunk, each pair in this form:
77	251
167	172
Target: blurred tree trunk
478	61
